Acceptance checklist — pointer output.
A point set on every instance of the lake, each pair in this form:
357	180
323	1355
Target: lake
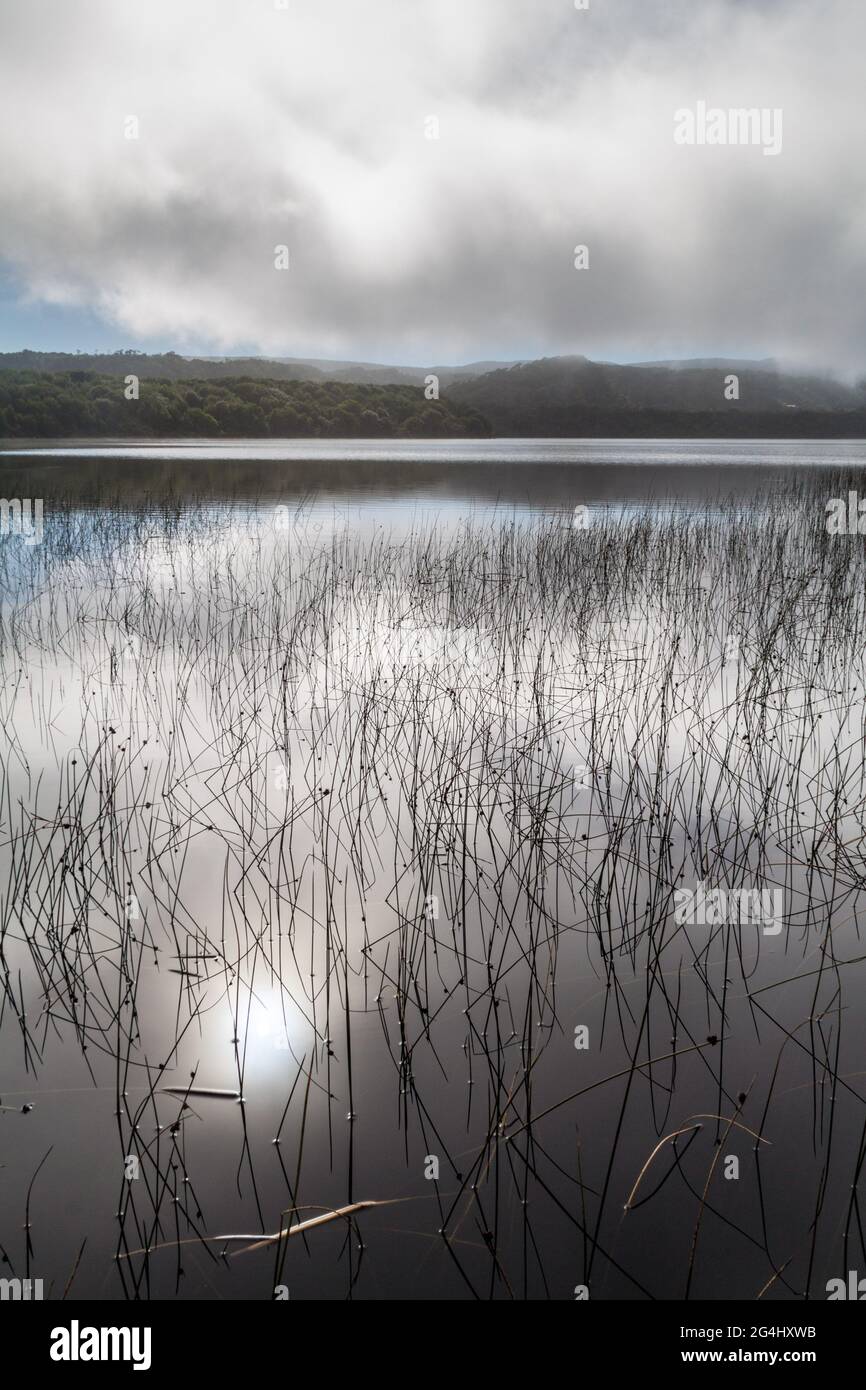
475	831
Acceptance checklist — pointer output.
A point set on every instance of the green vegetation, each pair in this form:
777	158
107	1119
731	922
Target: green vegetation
571	397
565	397
82	403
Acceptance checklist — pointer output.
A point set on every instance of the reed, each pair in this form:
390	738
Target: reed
418	803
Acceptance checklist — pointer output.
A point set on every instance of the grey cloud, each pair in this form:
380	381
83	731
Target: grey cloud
305	126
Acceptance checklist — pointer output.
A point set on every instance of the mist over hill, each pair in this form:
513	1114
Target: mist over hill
573	396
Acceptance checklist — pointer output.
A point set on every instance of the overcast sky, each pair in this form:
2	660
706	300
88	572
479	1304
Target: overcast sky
305	126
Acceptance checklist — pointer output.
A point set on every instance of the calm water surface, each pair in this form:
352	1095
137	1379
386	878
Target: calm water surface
354	780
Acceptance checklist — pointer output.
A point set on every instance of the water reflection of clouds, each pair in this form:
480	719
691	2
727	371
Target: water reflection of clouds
536	752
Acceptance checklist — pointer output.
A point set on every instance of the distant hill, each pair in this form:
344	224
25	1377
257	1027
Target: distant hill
562	397
565	396
83	404
171	366
379	374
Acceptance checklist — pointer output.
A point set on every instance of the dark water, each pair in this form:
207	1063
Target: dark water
402	769
547	473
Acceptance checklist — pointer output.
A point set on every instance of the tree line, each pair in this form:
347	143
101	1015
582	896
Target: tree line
83	403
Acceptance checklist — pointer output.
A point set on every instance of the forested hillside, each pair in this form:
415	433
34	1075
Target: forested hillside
572	396
81	403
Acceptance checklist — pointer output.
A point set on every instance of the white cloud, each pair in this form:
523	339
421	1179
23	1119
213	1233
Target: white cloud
306	126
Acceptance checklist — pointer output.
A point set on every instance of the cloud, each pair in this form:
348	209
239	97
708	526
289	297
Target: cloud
305	126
